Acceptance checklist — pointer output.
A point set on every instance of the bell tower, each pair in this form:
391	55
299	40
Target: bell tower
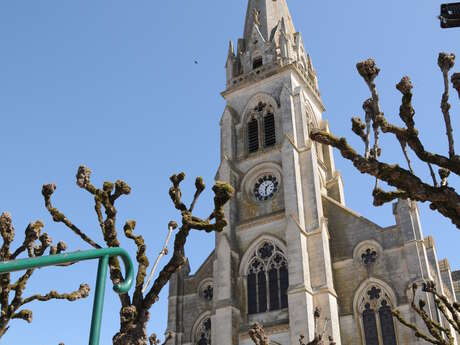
272	262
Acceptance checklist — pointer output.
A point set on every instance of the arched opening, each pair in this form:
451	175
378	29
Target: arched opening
267	279
203	332
374	312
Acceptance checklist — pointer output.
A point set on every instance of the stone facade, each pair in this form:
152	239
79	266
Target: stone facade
292	244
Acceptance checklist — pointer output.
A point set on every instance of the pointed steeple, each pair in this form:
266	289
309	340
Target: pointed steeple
267	14
269	42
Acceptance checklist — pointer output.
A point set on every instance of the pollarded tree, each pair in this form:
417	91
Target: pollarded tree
438	193
36	243
135	308
408	185
437	333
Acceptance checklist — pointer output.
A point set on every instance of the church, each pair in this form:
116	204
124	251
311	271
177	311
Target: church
292	245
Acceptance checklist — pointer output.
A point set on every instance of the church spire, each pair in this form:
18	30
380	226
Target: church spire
269	42
266	15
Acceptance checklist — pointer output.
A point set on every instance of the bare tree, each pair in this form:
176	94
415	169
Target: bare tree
437	333
134	312
439	194
36	243
408	184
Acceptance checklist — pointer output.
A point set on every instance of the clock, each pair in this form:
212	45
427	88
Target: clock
265	187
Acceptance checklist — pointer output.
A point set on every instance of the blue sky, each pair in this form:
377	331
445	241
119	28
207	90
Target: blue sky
113	85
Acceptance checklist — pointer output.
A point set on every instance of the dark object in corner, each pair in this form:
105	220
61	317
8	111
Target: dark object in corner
450	15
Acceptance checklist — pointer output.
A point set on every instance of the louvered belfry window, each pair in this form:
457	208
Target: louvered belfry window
267	280
269	130
253	135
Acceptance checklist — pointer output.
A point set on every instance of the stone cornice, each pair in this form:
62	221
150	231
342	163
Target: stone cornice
261	74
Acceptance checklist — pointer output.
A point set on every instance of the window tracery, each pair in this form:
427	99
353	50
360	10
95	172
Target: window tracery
267	279
203	332
369	256
376	318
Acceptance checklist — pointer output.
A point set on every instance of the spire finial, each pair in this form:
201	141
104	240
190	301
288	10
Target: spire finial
231	49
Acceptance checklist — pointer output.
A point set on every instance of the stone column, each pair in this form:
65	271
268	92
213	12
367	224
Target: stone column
226	315
309	240
175	305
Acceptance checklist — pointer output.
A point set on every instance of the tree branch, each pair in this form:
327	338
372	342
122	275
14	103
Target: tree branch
9	310
143	261
222	193
59	217
82	292
24	314
440	335
445	63
104	197
443	199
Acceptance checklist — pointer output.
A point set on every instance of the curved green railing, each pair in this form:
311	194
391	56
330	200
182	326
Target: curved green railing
103	255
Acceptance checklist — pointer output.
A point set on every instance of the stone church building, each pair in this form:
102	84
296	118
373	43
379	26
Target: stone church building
292	244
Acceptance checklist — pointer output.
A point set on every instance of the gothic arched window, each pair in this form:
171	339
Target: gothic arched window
269	130
203	332
267	279
377	319
253	135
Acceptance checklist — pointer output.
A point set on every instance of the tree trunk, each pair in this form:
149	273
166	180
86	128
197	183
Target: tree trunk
135	336
134	331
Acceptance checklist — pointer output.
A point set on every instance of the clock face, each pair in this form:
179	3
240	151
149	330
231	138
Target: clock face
265	187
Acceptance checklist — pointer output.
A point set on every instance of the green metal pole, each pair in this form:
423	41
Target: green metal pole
98	301
52	260
103	255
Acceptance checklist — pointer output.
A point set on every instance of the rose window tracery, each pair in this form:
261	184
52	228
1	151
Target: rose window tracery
369	256
207	292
